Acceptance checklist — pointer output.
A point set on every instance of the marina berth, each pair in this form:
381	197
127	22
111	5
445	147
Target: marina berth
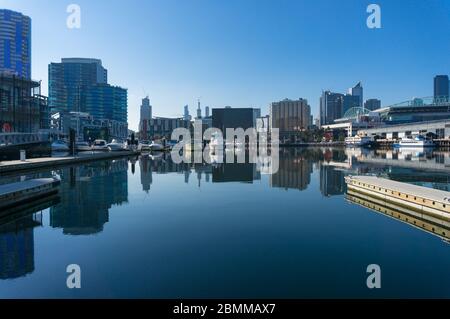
433	225
422	199
16	193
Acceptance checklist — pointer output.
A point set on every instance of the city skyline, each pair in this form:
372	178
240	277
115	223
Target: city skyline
236	57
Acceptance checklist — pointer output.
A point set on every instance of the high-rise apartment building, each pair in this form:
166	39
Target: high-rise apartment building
15	43
290	116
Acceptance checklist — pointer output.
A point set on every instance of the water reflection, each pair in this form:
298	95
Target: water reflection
295	169
435	225
17	246
87	193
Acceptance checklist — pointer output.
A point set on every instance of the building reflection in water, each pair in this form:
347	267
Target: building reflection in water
159	164
295	169
433	224
235	172
87	193
17	246
332	180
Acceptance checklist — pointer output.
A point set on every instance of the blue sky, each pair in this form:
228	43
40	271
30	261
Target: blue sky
248	52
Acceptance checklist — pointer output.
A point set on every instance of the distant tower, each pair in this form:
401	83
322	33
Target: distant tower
441	86
186	115
199	110
357	90
146	116
207	111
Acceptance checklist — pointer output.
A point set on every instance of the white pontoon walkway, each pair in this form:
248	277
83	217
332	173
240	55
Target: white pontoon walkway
426	199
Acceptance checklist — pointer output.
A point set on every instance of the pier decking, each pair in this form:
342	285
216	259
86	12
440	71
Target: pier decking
20	192
432	225
11	166
422	199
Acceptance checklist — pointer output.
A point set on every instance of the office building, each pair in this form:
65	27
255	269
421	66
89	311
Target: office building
330	107
145	116
372	104
81	85
441	86
104	101
15	44
350	101
162	127
290	117
357	90
233	118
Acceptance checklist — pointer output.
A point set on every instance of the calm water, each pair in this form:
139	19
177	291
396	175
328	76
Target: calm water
145	227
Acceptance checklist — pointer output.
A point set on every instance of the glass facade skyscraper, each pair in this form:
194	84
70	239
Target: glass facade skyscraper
104	101
81	85
441	86
349	101
331	107
15	43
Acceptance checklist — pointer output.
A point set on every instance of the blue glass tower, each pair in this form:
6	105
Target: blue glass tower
80	85
15	43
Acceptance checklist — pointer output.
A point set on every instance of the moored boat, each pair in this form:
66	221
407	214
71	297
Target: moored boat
358	140
100	145
144	146
417	142
60	146
82	147
116	145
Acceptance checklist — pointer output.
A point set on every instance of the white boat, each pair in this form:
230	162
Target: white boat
144	146
83	147
215	143
358	140
115	145
417	142
60	146
100	145
156	147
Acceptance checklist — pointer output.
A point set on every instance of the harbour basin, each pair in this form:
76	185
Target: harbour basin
145	227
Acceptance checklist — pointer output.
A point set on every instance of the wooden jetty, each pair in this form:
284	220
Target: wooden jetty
432	202
18	193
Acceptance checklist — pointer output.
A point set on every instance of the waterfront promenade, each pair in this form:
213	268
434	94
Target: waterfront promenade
33	163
